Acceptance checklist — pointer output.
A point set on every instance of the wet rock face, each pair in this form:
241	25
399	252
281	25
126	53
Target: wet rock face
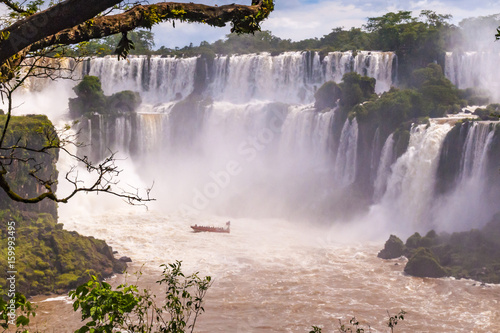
394	248
473	254
424	264
327	95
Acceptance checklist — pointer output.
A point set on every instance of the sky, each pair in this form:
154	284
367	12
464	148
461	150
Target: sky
301	19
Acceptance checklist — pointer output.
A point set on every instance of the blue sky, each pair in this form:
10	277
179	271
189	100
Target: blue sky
300	19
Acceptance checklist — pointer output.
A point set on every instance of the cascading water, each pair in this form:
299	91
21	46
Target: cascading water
247	147
474	69
345	166
409	191
472	200
476	147
374	64
384	168
291	77
158	79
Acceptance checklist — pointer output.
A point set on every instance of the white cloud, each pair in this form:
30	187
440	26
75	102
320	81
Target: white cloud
316	20
300	19
185	33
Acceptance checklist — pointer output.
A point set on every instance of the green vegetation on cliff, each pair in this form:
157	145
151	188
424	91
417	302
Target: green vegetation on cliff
50	259
91	99
34	131
491	112
430	95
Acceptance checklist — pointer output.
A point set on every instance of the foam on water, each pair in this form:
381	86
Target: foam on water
277	276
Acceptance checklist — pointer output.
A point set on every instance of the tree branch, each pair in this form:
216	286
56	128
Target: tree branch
76	24
36	27
14	6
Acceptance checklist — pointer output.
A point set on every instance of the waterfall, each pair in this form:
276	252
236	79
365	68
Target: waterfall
345	166
262	76
474	70
374	64
305	131
410	186
474	156
473	200
158	79
384	168
152	133
290	77
253	113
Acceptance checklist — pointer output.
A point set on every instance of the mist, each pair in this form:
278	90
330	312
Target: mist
252	145
472	61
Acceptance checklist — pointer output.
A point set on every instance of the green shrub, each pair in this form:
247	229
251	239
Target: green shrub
91	99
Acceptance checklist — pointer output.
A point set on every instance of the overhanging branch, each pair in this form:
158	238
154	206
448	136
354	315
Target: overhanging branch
74	21
244	19
48	22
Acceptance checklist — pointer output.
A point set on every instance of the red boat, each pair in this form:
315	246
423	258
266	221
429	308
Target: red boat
200	228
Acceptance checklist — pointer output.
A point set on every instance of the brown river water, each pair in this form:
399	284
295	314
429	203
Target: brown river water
279	276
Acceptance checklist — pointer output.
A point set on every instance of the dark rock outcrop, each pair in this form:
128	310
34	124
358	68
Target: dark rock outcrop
474	254
424	264
327	96
91	100
394	248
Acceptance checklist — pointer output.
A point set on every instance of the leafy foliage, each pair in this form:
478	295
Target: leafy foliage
124	46
142	41
355	327
107	308
327	95
491	112
127	308
16	304
430	95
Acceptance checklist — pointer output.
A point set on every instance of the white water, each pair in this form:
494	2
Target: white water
384	168
249	160
475	69
345	166
162	79
477	143
277	276
473	198
291	77
405	206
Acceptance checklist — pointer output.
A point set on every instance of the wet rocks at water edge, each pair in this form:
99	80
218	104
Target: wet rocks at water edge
125	259
424	264
394	248
474	254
